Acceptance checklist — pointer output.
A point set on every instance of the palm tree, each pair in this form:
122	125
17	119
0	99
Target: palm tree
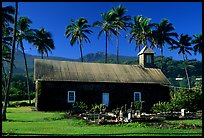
197	40
24	33
11	65
7	16
184	46
43	41
163	34
107	27
78	30
6	57
120	22
141	31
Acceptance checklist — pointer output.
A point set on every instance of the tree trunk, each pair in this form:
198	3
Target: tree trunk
106	47
42	55
117	47
11	66
26	67
161	58
5	78
185	67
81	51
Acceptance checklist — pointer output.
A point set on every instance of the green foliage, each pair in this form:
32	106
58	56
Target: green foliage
188	99
137	105
96	108
81	105
161	107
18	91
20	103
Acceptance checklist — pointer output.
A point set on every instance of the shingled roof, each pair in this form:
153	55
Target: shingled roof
54	70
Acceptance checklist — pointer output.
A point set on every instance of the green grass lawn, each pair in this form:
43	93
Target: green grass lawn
24	121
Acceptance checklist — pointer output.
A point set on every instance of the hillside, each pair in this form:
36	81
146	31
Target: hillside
20	65
93	57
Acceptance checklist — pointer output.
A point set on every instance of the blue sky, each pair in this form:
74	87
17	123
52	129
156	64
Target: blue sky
186	17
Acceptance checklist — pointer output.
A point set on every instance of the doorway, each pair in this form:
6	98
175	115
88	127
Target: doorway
105	99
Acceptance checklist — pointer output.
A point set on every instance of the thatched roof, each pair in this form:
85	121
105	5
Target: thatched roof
53	70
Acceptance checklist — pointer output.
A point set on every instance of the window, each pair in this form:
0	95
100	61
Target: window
71	96
148	59
137	96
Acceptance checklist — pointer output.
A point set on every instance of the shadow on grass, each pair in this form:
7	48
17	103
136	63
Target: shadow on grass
119	134
37	120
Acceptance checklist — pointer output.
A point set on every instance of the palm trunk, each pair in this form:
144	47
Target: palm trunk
42	55
81	51
26	67
185	67
11	66
161	58
5	78
106	47
117	47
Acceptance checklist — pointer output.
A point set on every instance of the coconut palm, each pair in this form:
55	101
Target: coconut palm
6	37
43	41
141	31
197	41
6	100
77	31
7	19
162	35
6	57
107	27
24	33
121	23
7	16
184	46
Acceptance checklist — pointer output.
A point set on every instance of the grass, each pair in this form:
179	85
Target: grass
24	121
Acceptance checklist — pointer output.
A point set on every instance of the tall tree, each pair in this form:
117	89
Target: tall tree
162	35
141	31
6	57
121	23
107	27
24	33
78	30
197	41
11	65
184	46
43	41
7	19
7	16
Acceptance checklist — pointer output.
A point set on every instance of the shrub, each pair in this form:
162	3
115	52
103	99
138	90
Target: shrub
161	107
20	103
81	105
188	99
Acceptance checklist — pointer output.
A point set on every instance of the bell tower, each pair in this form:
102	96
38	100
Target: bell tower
146	57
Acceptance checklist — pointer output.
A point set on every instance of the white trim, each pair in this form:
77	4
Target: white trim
68	98
139	95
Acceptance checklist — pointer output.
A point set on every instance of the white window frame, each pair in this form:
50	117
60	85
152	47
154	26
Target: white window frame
139	96
68	98
148	59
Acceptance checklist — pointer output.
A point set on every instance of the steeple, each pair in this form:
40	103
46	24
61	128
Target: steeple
146	57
